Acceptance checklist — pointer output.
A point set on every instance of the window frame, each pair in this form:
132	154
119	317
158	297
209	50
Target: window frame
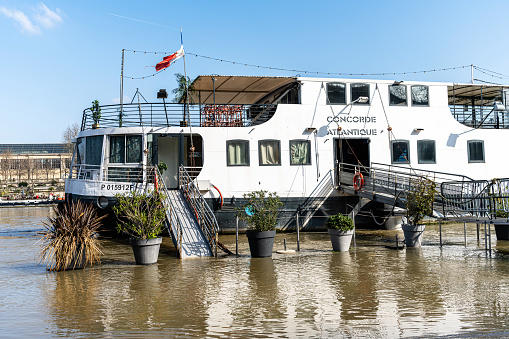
327	92
308	143
125	149
408	152
434	152
260	154
406	95
412	98
244	141
470	161
352	99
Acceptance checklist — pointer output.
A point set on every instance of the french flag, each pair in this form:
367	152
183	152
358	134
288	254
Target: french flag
168	60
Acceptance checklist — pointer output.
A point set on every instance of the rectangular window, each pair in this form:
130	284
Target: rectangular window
336	94
237	153
300	152
80	151
400	151
475	150
133	148
397	95
426	152
94	149
117	149
359	90
269	152
126	149
420	96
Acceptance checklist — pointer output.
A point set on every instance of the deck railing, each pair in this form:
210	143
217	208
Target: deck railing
199	206
480	116
175	114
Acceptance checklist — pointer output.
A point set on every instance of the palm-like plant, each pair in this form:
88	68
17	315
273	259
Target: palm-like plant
71	237
185	88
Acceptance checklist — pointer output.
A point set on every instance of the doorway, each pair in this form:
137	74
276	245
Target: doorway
351	153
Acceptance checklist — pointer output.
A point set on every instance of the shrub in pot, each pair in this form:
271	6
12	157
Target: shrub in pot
141	215
260	212
341	229
70	237
419	203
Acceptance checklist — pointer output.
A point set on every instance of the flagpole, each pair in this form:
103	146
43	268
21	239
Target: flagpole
122	84
186	102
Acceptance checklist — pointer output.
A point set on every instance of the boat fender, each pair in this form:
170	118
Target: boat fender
358	181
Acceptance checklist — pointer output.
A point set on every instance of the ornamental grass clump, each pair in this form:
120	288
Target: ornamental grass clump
340	222
419	200
71	237
140	214
261	210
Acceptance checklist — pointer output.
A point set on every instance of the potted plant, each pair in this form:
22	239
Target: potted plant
260	212
141	215
419	203
71	237
340	228
96	113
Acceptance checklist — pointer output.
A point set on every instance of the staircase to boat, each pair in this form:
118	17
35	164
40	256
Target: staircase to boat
189	220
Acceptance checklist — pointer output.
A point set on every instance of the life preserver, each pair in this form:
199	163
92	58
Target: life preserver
358	181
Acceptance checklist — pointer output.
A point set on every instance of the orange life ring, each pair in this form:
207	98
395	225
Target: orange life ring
358	181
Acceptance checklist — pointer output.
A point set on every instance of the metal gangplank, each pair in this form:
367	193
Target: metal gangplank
389	184
193	230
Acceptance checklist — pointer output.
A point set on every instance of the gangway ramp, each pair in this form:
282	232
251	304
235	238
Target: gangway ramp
191	240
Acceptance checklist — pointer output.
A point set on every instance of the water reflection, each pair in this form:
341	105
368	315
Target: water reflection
371	291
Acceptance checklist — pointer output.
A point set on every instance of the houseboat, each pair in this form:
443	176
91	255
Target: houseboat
295	136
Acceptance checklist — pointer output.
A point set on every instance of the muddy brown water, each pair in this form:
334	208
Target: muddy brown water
372	291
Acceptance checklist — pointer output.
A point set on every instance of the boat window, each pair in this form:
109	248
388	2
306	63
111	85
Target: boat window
426	151
300	152
94	149
397	95
269	152
420	96
336	93
133	149
292	97
119	153
400	151
237	152
359	90
80	150
475	151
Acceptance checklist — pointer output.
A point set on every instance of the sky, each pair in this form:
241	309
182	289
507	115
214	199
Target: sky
56	57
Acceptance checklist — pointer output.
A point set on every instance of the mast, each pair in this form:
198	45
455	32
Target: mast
186	103
122	84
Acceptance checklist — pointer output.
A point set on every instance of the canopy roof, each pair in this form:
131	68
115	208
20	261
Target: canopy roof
236	89
463	94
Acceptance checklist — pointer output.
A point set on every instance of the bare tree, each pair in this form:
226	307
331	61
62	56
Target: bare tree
5	165
70	133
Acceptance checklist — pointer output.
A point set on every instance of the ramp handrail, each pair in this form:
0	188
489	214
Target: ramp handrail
173	225
201	209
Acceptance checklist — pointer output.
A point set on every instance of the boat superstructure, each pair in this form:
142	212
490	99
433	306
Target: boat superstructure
294	136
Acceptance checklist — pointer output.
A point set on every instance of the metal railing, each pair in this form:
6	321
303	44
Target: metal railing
199	206
480	116
132	174
176	114
173	222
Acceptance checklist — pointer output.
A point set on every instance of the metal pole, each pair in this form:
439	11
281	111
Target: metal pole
397	242
485	240
489	236
440	231
477	233
236	236
122	85
297	226
472	73
465	232
354	233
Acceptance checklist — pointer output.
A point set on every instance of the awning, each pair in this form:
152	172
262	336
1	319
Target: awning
463	94
230	89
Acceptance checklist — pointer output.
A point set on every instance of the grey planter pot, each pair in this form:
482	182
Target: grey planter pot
413	234
502	230
340	240
260	243
146	251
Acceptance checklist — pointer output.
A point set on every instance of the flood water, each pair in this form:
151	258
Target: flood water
372	291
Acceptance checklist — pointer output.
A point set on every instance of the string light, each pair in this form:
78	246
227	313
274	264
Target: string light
482	70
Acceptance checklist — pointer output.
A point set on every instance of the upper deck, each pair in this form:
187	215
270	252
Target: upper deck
228	101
